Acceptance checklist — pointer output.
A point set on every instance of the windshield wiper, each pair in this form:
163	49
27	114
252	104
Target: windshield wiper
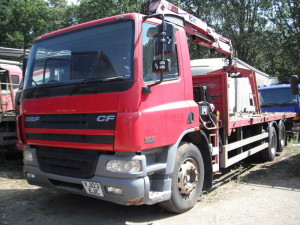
101	79
33	88
97	79
54	83
278	104
270	105
37	89
36	84
50	83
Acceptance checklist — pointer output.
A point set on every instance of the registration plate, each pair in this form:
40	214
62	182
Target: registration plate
92	188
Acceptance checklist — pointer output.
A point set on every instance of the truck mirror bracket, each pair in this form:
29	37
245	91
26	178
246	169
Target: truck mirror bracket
294	81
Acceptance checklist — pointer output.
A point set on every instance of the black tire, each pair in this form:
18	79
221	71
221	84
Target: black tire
281	136
269	153
189	167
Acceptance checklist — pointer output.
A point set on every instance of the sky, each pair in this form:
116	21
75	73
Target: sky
72	2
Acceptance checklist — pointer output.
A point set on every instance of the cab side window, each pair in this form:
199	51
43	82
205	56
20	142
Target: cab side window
149	45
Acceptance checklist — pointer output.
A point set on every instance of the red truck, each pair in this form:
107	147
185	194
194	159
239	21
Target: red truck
10	79
110	110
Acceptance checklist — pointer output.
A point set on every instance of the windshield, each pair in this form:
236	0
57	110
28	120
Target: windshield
277	97
96	54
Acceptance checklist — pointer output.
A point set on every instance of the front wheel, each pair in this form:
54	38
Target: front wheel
187	179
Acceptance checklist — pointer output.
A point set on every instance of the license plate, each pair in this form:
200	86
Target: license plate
92	188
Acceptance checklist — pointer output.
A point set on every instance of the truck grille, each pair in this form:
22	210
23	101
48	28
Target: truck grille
95	139
68	162
103	121
40	128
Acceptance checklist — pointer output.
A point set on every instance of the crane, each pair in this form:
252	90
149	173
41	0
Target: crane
199	31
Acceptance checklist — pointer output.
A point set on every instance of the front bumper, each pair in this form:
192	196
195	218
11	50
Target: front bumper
134	190
137	189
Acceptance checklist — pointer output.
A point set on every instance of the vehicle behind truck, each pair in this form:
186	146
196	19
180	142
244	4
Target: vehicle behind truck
10	79
278	98
110	110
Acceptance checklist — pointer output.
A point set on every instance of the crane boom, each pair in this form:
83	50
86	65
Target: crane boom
200	32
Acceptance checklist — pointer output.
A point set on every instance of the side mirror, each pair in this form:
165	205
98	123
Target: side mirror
165	39
165	45
294	81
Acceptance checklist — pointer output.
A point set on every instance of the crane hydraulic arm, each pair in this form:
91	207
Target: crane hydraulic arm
200	32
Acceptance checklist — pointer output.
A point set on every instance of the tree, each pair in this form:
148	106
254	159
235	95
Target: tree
242	21
21	20
286	18
5	11
245	23
264	33
204	10
58	15
93	9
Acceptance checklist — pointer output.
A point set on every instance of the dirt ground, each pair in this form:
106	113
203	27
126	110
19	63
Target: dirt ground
249	193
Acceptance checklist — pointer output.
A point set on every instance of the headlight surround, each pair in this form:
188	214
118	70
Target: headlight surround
28	156
124	166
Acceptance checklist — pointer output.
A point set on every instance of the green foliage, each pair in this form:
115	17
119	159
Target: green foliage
93	9
206	11
245	23
23	20
242	179
286	18
264	33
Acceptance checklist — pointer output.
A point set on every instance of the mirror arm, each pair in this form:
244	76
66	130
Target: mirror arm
148	89
294	82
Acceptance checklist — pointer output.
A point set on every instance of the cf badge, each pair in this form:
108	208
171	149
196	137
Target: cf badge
105	118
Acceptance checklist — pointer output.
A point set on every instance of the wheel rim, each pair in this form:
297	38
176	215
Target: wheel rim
273	144
282	137
188	176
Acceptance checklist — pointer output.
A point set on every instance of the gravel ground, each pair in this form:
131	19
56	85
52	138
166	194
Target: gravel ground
250	193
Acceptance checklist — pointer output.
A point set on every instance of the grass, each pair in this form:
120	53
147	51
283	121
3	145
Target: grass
242	176
293	144
242	179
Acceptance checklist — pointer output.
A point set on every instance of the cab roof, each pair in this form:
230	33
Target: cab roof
89	24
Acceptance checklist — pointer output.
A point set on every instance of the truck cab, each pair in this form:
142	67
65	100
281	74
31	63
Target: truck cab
10	79
278	98
95	110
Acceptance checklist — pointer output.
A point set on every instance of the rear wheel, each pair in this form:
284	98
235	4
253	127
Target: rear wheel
281	136
187	179
270	153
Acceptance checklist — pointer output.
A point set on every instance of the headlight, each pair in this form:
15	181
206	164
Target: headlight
124	166
27	155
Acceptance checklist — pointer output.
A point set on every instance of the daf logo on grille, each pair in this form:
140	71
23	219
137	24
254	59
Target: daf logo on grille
104	118
32	118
